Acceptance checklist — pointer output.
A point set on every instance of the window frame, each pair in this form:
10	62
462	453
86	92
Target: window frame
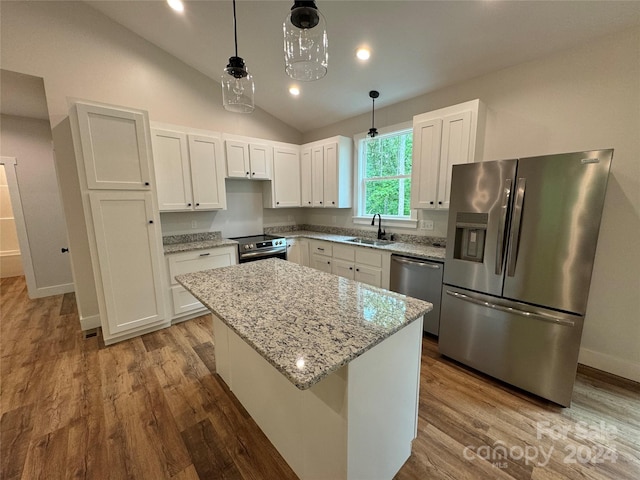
358	181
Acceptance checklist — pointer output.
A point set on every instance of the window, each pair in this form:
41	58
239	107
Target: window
384	174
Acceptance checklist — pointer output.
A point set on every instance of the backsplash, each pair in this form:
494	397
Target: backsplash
191	237
399	237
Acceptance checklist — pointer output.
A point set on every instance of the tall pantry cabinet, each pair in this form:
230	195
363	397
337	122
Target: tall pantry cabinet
115	171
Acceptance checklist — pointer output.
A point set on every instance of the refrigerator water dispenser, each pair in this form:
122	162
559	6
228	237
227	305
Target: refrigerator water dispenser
471	231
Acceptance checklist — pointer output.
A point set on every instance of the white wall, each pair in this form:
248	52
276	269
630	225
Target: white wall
29	141
580	99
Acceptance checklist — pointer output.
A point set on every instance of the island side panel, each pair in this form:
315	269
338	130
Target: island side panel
221	350
383	396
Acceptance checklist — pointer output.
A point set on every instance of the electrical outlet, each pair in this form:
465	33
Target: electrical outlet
427	224
194	224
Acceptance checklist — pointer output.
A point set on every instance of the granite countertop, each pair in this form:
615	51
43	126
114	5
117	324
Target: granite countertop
427	252
304	322
197	245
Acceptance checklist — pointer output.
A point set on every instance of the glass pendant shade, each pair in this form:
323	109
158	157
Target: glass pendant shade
305	42
237	87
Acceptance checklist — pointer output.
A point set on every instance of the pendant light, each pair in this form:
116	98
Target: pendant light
305	42
373	94
237	82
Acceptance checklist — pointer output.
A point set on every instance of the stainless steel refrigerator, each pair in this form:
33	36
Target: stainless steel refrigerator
521	243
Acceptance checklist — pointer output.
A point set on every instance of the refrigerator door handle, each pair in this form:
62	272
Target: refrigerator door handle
419	264
506	194
514	236
504	308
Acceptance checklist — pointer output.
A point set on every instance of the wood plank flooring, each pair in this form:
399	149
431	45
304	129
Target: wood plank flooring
153	408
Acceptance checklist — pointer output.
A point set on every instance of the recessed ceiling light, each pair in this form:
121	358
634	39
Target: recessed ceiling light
295	91
177	5
363	53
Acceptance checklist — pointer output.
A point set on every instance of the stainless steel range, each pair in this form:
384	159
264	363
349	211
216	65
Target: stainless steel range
259	247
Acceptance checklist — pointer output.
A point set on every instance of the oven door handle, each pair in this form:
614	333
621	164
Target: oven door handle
263	253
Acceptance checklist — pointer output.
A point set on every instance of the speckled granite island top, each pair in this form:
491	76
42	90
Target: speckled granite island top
305	322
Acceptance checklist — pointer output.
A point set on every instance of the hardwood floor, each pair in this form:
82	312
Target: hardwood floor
152	408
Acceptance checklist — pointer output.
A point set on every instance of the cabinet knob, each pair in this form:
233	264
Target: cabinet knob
188	204
146	184
439	203
253	174
430	203
328	263
320	203
64	250
350	268
277	203
357	269
309	203
247	173
150	221
333	203
197	204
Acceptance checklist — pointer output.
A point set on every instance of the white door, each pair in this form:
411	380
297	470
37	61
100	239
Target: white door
343	268
207	173
260	161
368	275
173	174
286	176
427	137
129	259
115	147
237	159
321	262
331	175
317	176
305	178
456	140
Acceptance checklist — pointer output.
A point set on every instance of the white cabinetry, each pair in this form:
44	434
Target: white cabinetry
362	264
195	261
247	158
443	138
320	255
189	171
327	173
284	188
113	157
115	148
298	251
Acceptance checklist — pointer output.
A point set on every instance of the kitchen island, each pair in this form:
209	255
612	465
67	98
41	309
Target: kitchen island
327	367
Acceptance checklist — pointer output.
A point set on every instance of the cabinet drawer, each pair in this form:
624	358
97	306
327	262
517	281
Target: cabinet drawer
344	252
183	301
196	261
321	248
367	256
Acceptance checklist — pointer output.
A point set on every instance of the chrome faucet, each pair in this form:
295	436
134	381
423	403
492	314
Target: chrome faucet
381	233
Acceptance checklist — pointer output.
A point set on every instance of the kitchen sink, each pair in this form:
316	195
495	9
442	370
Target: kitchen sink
370	241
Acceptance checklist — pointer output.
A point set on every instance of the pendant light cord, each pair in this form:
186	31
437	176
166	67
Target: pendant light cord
235	32
373	113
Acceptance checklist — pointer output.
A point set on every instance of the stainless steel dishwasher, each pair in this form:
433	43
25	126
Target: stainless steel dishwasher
421	279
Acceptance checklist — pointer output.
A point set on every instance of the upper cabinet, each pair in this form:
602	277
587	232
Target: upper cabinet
115	147
189	171
247	158
327	173
284	188
443	138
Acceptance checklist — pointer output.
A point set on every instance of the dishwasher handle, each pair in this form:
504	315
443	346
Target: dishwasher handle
433	266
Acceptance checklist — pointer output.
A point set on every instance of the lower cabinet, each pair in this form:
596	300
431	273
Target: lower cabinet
183	302
362	264
298	251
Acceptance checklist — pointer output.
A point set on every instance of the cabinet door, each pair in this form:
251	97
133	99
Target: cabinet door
207	168
286	177
427	138
173	173
237	159
330	180
115	147
321	262
368	275
343	268
317	176
260	161
128	259
305	178
294	253
456	140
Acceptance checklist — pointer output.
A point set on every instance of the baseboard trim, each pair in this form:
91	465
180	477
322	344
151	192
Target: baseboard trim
610	364
87	323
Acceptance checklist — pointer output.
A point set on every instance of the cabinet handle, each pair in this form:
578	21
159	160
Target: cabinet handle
321	249
350	268
309	203
328	263
333	203
320	203
64	250
205	254
247	174
357	269
146	184
253	174
150	221
188	204
277	203
430	203
197	204
439	203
